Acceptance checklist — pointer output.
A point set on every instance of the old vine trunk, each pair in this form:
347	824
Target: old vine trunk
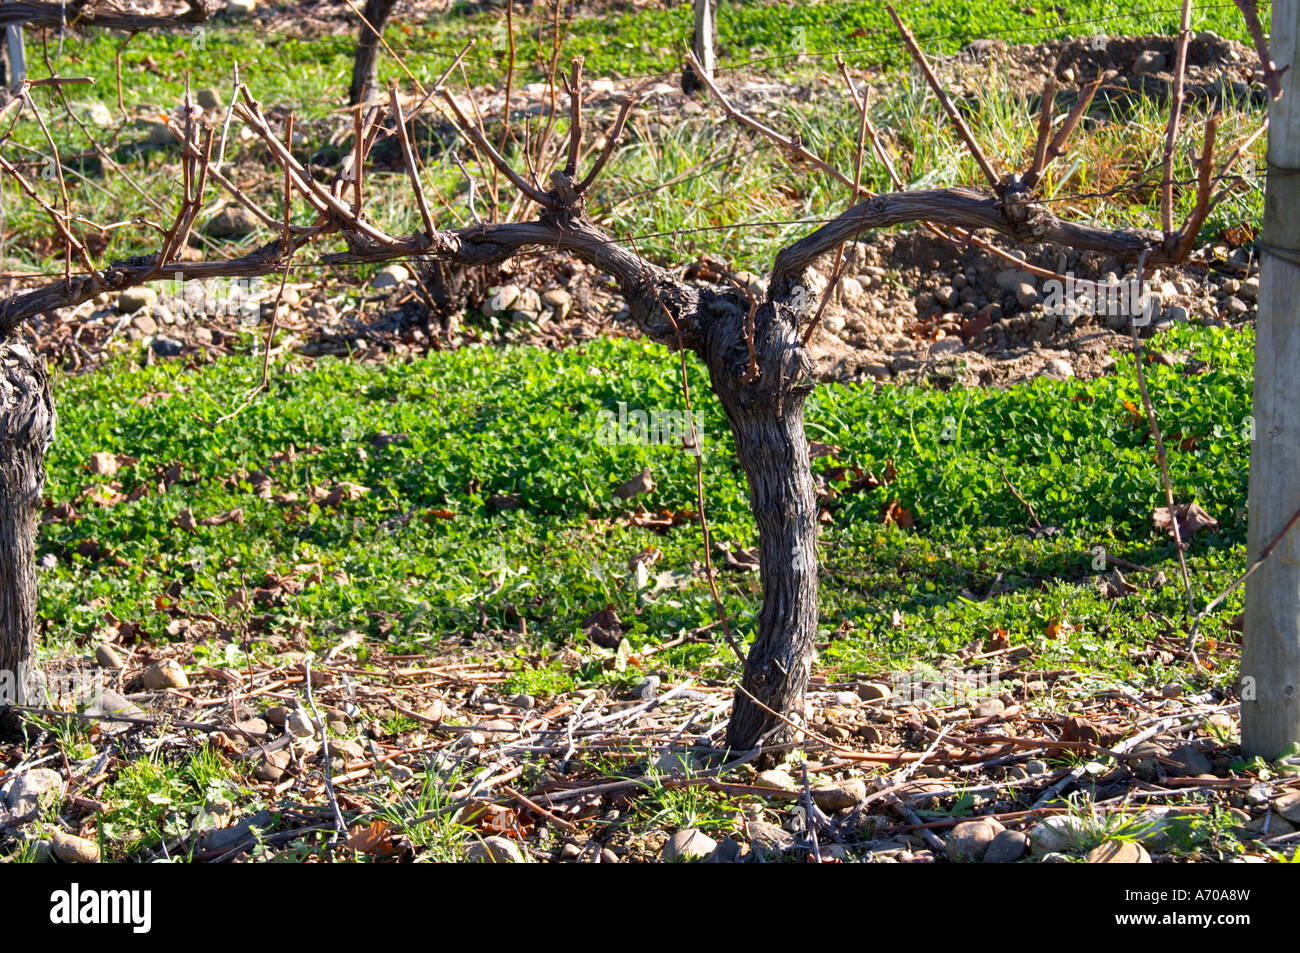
766	417
26	429
365	61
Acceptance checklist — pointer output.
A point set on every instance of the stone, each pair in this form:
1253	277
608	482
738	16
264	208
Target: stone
109	702
494	850
1269	825
1060	368
144	324
214	815
271	768
1036	766
241	8
32	790
165	346
256	726
1053	834
74	850
276	715
136	299
1148	61
1006	848
728	851
208	98
1009	279
1288	805
108	657
767	837
947	296
840	795
989	708
164	674
1188	762
97	114
299	725
775	778
1259	794
160	134
1119	852
500	300
347	750
874	692
946	346
558	301
1154	825
850	289
233	221
390	276
1236	307
970	839
1249	289
1026	294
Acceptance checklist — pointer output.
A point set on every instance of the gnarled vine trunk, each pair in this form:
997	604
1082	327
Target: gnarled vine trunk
26	430
766	417
365	61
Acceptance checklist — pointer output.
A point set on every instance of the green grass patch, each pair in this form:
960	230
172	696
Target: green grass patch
425	554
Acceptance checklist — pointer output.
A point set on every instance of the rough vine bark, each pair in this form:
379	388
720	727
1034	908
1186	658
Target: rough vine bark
26	430
365	61
83	13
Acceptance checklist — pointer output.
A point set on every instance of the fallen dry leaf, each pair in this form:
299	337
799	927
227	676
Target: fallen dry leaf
370	839
234	516
896	514
1191	519
604	627
103	464
639	484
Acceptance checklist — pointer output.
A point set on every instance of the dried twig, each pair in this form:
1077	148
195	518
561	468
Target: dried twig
954	117
611	142
340	826
1035	170
1175	113
575	118
1272	75
787	144
408	155
1263	556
